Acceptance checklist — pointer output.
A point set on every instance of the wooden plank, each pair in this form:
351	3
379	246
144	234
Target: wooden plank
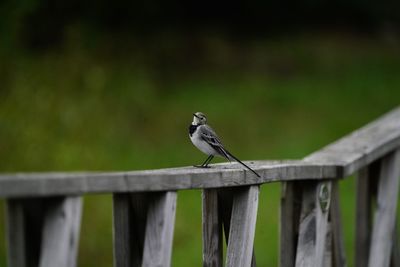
366	179
395	257
313	224
322	229
289	222
225	204
339	257
212	229
159	230
327	254
122	218
129	224
385	215
16	235
139	212
242	228
60	235
363	146
219	175
143	228
24	230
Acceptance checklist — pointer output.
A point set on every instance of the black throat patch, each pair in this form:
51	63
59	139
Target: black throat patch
192	129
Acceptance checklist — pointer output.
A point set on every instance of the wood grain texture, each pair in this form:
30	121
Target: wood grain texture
289	222
24	230
60	236
143	228
367	179
122	237
159	230
322	228
363	146
242	227
328	252
225	204
212	229
219	175
395	257
129	224
44	231
16	233
339	256
139	213
313	228
385	215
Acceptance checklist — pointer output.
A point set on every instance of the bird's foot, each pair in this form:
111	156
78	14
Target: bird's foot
202	166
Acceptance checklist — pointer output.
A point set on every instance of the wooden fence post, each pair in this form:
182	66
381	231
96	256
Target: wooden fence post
159	230
43	232
367	179
212	229
289	222
217	215
60	237
339	257
385	215
313	224
24	222
143	228
242	228
395	257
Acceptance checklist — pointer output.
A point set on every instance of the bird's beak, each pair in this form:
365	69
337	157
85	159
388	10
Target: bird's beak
194	114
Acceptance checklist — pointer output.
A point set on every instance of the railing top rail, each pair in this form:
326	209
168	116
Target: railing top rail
362	146
220	175
337	160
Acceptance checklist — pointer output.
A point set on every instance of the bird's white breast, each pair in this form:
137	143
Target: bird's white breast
202	145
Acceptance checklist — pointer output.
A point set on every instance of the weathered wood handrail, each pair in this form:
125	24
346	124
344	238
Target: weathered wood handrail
45	208
337	160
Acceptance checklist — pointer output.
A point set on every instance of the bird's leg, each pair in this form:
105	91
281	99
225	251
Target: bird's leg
209	159
205	163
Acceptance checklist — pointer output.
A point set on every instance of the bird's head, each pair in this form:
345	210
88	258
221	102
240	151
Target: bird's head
199	118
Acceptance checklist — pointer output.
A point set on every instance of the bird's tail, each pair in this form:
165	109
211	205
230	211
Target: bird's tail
237	160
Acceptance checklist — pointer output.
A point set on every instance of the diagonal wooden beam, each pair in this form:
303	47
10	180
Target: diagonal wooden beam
242	227
60	236
313	224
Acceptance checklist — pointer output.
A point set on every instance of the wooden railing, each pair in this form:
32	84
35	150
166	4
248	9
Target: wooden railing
44	209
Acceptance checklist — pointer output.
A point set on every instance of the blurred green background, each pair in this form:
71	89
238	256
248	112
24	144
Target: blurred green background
112	85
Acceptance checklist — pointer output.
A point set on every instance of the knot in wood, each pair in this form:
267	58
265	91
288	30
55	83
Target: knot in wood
324	197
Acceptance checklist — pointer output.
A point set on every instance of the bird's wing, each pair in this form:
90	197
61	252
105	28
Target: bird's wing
209	135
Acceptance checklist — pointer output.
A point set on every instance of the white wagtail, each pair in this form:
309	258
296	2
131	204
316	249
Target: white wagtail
205	139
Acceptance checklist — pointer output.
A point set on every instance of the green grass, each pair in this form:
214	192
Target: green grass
79	108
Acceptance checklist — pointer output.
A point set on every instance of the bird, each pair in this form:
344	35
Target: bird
207	141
